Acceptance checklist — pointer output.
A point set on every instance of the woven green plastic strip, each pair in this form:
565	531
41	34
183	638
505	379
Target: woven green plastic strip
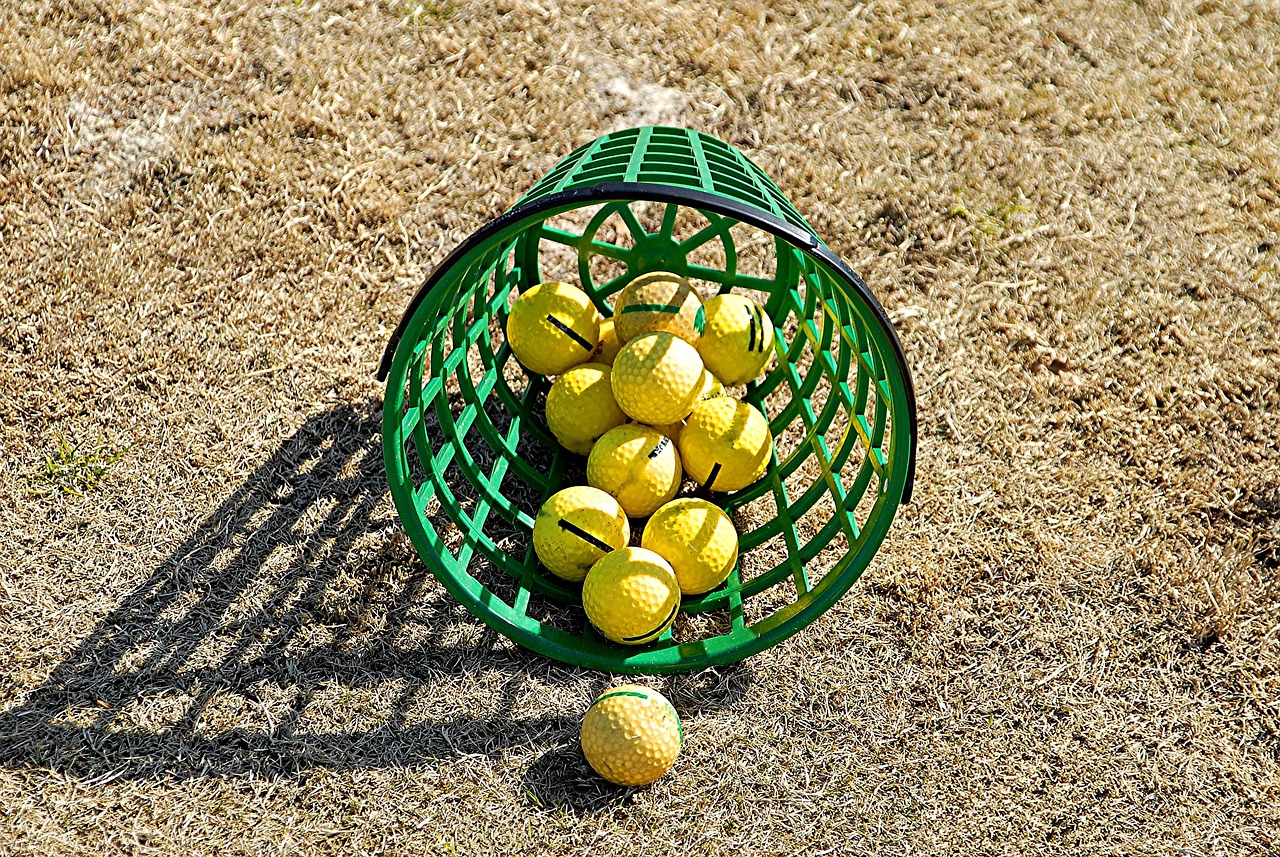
469	458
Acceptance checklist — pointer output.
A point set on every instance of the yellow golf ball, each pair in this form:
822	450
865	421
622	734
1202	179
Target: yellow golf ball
725	444
737	339
609	345
711	387
552	327
580	407
659	300
631	596
671	430
576	527
657	378
699	541
631	735
637	465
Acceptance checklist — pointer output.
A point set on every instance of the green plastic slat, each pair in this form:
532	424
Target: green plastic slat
737	615
495	361
421	495
637	156
411	417
580	162
705	178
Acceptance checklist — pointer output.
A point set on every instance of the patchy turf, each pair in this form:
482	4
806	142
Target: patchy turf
217	637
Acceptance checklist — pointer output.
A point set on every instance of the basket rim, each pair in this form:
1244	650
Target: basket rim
674	194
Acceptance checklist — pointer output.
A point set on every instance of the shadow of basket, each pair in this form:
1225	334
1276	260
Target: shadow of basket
294	628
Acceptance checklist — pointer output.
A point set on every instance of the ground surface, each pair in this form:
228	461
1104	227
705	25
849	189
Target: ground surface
217	639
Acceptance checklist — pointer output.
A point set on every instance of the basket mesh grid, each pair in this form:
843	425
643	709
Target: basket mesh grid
468	439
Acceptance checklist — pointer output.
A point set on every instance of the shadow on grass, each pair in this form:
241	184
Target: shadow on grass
293	629
560	780
299	585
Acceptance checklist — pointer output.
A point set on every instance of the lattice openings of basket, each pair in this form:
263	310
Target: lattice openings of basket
470	442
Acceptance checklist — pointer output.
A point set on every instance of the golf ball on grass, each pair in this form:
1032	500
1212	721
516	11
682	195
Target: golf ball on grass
697	538
631	735
575	528
631	596
725	444
552	327
657	378
638	466
581	408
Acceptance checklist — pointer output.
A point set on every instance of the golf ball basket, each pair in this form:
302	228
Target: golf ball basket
469	457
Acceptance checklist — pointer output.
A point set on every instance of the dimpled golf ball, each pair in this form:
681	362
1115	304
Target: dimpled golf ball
725	444
671	430
637	465
657	378
697	538
631	735
575	528
552	327
659	300
711	387
609	345
737	339
580	407
631	596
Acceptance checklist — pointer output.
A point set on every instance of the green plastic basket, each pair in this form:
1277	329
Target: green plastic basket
469	458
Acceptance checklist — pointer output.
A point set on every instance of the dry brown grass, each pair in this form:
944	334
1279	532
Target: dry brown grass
212	215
